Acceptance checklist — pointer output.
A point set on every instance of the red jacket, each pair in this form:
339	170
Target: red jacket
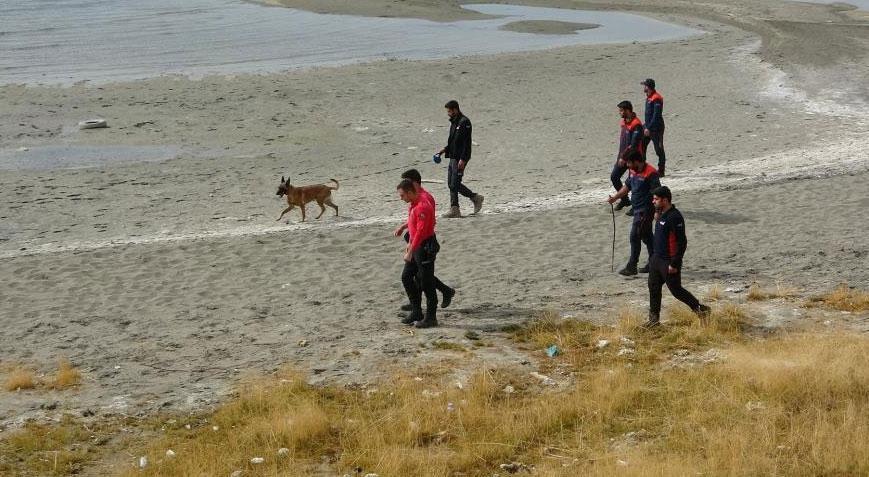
420	220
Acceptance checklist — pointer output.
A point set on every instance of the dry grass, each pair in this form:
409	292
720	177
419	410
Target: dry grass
844	298
60	449
756	293
714	293
788	405
67	375
20	378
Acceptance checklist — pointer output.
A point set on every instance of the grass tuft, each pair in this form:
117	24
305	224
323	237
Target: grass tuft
67	375
843	298
20	378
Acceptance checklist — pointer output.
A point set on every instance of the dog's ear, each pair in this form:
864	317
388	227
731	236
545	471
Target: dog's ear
288	181
283	180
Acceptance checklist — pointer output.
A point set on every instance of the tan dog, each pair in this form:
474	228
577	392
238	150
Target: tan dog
299	196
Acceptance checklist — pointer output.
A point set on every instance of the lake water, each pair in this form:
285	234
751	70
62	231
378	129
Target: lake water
66	41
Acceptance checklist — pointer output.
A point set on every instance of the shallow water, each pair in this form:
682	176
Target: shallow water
73	157
66	41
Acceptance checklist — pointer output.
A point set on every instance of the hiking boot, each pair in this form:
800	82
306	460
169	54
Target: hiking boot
454	213
653	322
629	270
630	212
448	297
407	307
703	311
414	315
623	203
430	320
478	202
644	269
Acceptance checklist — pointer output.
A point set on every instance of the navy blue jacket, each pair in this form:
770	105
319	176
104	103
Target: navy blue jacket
655	112
641	184
670	241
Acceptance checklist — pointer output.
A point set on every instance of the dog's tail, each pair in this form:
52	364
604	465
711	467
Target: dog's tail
336	184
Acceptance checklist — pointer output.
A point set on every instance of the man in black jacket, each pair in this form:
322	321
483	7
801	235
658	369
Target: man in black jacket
458	150
665	265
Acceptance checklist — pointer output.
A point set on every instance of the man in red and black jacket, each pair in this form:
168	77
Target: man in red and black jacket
630	138
665	266
419	256
642	180
654	124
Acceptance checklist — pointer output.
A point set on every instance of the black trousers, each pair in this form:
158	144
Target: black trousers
657	140
641	231
454	182
439	285
616	175
658	276
418	277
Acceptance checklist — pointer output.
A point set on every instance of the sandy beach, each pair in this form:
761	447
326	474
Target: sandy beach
166	281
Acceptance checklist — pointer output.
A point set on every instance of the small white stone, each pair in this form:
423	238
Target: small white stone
215	428
257	460
371	475
602	344
627	342
622	462
237	473
187	426
509	389
170	454
625	352
283	451
143	462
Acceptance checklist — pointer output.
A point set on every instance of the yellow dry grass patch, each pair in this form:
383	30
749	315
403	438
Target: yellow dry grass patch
757	293
67	375
787	405
844	298
20	378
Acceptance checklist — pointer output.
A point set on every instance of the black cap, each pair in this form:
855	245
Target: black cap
648	82
663	192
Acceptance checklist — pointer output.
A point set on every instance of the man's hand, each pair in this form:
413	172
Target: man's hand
461	165
611	199
672	270
647	133
621	162
397	232
407	256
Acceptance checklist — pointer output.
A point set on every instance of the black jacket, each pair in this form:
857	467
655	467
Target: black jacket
670	241
459	143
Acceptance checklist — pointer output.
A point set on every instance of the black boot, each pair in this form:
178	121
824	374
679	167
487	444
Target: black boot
644	269
629	270
703	311
430	320
415	313
653	321
448	297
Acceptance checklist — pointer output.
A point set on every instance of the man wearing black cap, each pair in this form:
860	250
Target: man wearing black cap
654	125
669	244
